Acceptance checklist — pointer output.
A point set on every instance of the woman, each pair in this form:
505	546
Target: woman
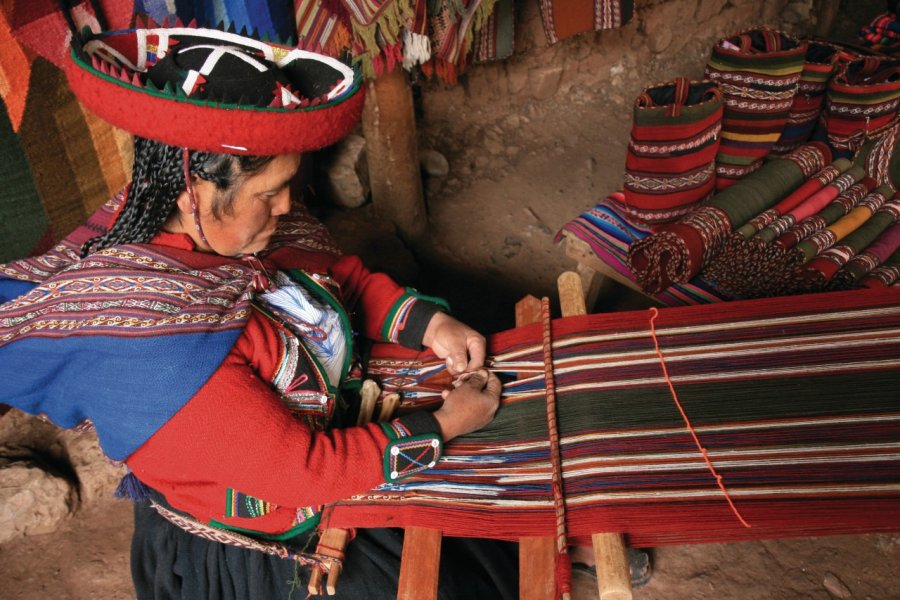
205	330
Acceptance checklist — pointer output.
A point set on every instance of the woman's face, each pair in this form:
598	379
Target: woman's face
259	201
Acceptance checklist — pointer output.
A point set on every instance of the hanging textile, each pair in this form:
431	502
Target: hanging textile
678	251
564	18
758	72
791	399
59	162
609	234
269	19
321	28
494	41
670	164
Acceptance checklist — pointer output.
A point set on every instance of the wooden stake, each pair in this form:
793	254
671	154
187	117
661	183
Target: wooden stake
613	576
419	564
537	555
389	125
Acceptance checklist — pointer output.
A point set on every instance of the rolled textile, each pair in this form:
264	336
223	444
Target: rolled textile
851	210
811	205
678	251
819	271
751	269
670	164
886	275
835	209
809	187
758	72
871	258
609	234
764	386
861	102
818	67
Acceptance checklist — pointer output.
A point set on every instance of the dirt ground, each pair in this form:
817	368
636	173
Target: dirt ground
517	174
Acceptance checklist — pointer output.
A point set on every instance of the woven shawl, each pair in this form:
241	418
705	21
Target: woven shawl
126	336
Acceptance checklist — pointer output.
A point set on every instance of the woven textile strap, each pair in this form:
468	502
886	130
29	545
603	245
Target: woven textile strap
231	538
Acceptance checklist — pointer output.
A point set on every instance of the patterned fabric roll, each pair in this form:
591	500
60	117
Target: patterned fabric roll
609	234
818	68
886	275
875	255
822	268
861	102
678	251
758	72
670	165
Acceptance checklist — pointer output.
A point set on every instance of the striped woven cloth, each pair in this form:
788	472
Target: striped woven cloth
670	164
871	259
793	400
758	72
563	19
887	274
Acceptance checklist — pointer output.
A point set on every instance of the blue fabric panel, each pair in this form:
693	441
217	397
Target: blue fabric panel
128	387
13	288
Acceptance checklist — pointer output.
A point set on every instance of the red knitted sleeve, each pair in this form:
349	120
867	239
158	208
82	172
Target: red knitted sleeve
236	433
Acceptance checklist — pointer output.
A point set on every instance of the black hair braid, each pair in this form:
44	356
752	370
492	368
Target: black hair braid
158	180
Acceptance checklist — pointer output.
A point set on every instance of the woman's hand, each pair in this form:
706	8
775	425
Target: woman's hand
461	346
470	405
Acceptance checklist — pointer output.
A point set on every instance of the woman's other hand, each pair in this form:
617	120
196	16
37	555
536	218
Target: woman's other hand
470	405
461	346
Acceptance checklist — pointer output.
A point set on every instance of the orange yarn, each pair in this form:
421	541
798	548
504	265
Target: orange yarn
653	314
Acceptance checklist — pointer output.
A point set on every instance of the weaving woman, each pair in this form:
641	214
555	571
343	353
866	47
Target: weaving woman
203	327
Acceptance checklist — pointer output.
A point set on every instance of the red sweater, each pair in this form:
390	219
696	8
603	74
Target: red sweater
235	450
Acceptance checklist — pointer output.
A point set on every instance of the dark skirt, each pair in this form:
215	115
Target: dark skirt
167	562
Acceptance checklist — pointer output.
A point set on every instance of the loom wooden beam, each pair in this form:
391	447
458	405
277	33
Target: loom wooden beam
419	564
588	261
613	576
537	555
389	126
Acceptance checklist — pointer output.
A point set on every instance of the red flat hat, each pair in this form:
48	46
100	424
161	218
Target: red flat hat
215	91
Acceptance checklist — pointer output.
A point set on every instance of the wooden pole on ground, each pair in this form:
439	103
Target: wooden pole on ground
389	125
613	576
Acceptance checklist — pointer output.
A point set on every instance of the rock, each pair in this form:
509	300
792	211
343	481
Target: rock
659	34
544	81
347	172
707	9
433	163
836	587
98	477
32	500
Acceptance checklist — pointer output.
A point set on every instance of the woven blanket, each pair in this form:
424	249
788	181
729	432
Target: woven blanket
609	235
792	399
564	18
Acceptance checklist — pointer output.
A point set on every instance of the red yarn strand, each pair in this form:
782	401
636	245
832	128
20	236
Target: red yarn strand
687	422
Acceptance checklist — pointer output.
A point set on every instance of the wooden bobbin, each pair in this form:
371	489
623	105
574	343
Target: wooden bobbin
613	575
333	541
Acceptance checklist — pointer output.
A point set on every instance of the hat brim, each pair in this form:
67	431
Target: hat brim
212	126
